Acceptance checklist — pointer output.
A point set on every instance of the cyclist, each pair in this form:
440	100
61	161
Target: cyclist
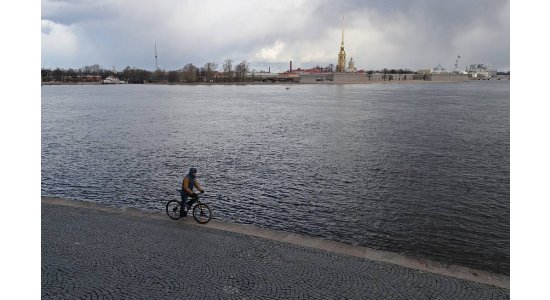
190	182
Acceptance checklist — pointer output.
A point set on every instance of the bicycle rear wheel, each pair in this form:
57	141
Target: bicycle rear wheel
173	209
201	213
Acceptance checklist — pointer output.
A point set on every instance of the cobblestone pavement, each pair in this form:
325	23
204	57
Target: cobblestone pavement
90	254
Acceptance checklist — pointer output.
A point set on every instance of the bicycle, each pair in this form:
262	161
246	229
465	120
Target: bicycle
201	211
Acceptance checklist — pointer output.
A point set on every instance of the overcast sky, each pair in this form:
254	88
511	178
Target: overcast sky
412	34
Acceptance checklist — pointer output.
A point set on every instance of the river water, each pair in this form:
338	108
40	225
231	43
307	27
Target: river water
420	169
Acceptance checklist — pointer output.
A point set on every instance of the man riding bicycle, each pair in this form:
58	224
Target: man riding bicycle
190	182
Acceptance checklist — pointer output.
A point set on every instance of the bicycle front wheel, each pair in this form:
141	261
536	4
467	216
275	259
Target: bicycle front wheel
201	213
173	209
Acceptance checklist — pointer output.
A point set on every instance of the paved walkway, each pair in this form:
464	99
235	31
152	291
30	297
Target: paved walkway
93	254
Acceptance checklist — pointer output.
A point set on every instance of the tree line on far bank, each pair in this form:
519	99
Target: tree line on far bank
188	74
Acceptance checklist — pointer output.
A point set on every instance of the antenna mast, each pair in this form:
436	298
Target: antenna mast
156	62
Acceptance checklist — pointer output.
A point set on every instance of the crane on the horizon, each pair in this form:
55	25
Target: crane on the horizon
456	63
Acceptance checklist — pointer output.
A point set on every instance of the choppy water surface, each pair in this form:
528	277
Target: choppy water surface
419	169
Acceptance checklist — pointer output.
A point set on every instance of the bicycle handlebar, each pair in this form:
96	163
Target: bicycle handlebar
201	195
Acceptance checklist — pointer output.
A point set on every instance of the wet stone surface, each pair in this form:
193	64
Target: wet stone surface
89	254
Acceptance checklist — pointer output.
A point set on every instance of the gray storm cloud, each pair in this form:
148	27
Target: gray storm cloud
378	34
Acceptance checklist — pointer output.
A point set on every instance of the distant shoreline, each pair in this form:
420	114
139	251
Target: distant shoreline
274	83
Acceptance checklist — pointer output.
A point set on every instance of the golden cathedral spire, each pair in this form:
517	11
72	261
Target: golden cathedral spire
342	32
341	66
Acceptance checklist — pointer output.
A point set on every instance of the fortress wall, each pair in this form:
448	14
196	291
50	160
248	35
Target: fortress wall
350	78
316	78
448	77
364	78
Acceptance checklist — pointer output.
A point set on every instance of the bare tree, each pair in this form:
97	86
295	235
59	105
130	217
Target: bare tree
91	70
228	68
159	74
57	74
190	73
173	76
129	72
46	74
210	68
241	69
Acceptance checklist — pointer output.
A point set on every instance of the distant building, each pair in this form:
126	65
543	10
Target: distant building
351	68
481	71
261	74
439	69
288	77
89	78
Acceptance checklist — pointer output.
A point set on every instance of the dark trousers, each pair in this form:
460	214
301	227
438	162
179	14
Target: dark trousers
185	197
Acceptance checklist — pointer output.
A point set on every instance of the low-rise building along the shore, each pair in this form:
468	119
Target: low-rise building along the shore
481	71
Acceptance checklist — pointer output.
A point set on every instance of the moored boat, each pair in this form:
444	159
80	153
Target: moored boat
112	80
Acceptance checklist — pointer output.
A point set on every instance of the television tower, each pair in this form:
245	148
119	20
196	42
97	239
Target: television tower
156	62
